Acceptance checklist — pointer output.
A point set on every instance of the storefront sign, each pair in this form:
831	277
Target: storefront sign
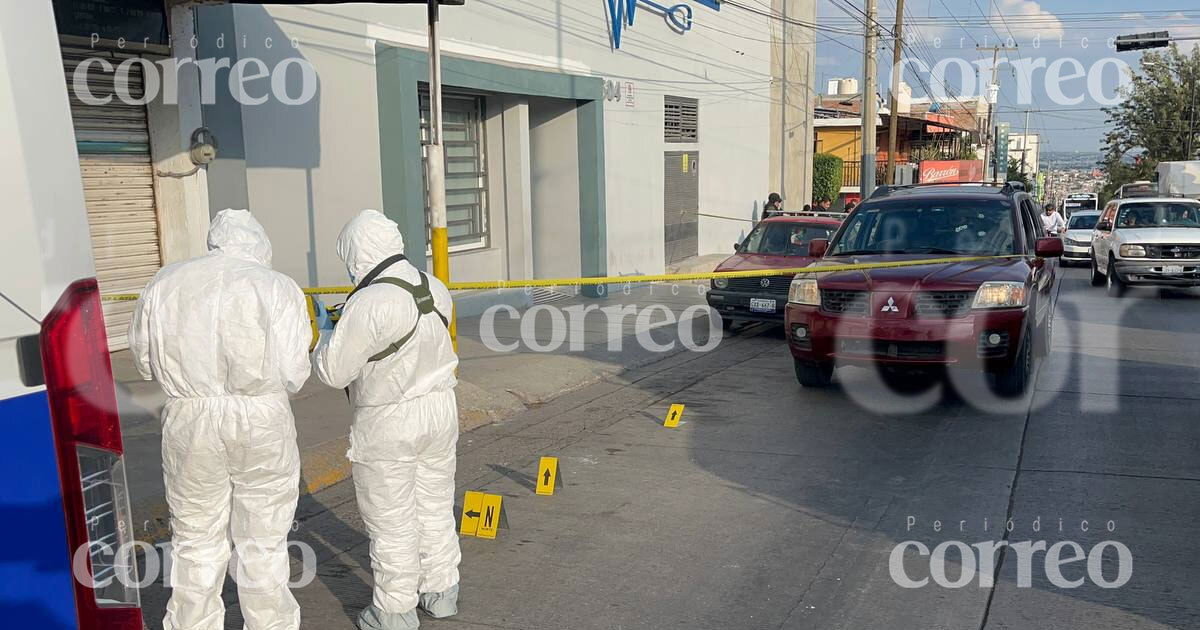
678	16
951	171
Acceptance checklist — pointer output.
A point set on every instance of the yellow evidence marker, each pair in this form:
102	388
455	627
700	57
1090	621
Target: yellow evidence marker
547	476
472	503
673	416
489	518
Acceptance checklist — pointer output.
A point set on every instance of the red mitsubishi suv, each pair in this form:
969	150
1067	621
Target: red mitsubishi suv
991	314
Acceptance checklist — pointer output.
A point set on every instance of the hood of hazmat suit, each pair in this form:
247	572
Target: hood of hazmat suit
227	338
405	431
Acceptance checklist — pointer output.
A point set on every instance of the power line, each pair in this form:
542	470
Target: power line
779	17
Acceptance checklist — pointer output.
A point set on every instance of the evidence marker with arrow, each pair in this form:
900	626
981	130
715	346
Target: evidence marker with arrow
548	478
472	502
673	416
482	514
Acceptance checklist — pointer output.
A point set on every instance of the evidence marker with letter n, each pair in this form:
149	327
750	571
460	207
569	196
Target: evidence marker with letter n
491	516
673	416
548	477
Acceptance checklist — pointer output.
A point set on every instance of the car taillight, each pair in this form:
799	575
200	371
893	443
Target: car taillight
87	434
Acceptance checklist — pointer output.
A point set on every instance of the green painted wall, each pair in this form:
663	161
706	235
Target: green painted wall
399	72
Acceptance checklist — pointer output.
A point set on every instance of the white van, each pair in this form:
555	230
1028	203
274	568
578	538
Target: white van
67	562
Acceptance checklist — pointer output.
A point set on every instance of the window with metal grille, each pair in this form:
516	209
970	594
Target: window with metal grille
466	168
681	119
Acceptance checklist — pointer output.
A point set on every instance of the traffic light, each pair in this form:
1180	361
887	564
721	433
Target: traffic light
1157	39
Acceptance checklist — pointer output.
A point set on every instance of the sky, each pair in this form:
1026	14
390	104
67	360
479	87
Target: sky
1053	38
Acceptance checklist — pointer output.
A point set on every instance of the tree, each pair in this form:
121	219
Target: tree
1157	121
1015	174
827	176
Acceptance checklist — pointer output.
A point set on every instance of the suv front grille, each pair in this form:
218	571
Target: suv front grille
944	303
1181	252
777	285
914	350
844	302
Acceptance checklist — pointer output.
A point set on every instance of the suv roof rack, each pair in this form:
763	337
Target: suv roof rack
886	190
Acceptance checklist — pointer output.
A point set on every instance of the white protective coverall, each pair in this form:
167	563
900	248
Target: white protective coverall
227	339
402	443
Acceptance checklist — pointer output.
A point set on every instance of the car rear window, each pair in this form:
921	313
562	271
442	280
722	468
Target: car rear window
1083	222
782	238
965	226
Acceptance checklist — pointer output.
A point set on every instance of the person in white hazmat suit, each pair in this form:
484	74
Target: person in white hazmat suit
227	338
392	347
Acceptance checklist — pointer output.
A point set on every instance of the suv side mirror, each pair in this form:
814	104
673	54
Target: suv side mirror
1049	247
737	247
817	247
1104	226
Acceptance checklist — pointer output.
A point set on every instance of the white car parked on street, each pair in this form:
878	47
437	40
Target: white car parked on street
1077	240
1150	241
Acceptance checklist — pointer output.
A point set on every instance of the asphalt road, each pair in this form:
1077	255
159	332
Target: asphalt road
772	506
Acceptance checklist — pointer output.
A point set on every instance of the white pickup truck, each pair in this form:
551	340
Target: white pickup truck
1151	241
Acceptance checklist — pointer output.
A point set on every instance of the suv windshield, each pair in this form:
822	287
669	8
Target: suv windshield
1159	214
1083	222
929	226
784	238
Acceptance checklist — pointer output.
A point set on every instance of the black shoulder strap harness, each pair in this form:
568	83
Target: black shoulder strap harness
420	293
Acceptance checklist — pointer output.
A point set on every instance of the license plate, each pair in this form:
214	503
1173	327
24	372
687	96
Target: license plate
1173	269
760	305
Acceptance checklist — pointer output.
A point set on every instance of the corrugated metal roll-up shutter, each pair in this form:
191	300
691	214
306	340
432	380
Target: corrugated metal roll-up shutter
681	204
118	186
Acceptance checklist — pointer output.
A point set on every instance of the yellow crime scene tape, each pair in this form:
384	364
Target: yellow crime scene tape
667	277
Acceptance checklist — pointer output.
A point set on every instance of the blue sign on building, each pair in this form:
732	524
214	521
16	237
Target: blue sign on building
679	16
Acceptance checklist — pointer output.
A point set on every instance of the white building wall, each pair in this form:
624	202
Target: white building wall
1017	143
310	168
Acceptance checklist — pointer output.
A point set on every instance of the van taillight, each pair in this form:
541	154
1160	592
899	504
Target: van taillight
87	434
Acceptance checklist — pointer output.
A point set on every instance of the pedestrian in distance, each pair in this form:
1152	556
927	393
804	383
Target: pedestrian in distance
227	338
850	206
392	348
773	206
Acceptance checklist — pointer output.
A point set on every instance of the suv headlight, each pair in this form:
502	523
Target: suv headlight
1132	251
720	283
1000	295
804	291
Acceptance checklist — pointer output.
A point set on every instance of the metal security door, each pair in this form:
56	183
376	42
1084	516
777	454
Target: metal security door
113	141
681	204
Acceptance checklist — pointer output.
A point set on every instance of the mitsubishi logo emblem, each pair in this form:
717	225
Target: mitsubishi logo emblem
764	283
890	307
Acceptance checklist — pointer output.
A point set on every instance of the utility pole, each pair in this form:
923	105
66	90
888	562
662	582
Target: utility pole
993	93
438	241
1191	124
894	103
783	108
869	109
1025	143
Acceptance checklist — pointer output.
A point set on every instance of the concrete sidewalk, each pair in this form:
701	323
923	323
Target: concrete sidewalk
494	384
